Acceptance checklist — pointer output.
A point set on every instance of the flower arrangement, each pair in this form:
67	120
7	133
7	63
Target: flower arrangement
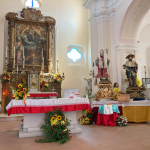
6	78
86	118
21	91
121	121
57	78
55	127
44	85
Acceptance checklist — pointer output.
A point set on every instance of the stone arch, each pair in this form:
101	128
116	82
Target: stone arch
131	21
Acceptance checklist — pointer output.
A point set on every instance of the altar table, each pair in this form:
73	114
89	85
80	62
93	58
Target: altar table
35	112
136	111
96	104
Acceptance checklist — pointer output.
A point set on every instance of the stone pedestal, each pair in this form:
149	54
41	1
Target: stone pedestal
33	122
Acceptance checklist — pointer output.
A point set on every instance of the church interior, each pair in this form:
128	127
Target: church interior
75	74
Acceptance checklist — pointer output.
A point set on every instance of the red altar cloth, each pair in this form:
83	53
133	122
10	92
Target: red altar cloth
45	105
106	120
95	110
44	94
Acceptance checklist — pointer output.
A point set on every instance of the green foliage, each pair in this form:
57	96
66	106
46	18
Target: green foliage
90	96
55	127
121	121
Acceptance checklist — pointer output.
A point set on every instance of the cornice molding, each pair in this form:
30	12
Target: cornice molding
122	46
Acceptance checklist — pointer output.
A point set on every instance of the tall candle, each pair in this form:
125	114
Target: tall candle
17	69
43	62
14	54
6	51
23	52
42	52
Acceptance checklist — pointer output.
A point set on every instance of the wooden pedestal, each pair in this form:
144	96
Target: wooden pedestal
6	95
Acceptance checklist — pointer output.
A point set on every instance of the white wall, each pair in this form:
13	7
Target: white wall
73	28
144	38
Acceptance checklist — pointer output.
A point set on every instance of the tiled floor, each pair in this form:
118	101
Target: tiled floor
93	137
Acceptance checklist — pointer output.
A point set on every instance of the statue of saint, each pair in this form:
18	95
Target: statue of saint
102	65
131	70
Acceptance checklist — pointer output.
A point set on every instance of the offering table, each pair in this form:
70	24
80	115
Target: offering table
35	113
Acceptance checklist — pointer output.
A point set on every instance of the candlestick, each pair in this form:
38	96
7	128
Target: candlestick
23	63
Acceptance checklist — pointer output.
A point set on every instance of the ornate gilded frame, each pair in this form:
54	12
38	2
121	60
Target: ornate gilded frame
33	17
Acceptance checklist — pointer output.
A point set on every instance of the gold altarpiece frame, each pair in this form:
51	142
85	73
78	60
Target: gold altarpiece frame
32	37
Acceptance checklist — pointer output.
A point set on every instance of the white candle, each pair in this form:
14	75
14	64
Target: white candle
6	51
14	54
17	69
57	55
42	52
23	52
43	62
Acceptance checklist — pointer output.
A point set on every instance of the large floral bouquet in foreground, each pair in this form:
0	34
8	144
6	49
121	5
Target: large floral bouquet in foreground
55	127
21	91
121	121
6	78
86	118
44	85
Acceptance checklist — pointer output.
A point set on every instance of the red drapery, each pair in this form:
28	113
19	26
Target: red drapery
45	109
106	120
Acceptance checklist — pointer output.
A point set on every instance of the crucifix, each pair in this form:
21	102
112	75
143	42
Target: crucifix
53	91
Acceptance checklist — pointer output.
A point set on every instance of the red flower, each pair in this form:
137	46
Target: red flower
64	118
25	84
56	127
7	77
53	125
61	132
124	121
70	136
51	128
83	116
55	131
120	118
90	119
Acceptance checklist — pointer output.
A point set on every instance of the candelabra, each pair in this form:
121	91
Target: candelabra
5	70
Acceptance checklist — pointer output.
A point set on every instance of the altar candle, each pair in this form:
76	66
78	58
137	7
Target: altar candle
14	54
42	52
6	51
43	62
23	52
17	69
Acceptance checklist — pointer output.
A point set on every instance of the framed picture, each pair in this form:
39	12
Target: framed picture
32	38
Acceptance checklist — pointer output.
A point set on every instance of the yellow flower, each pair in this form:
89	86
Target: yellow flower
59	117
19	85
54	122
87	111
24	89
23	80
4	78
55	115
16	97
18	91
87	118
62	122
46	84
20	94
52	119
28	94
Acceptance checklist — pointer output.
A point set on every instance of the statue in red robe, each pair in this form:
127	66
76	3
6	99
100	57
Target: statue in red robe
102	65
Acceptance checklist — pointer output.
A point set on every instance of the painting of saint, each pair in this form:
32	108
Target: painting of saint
32	39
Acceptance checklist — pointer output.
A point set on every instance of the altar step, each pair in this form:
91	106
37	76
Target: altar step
15	117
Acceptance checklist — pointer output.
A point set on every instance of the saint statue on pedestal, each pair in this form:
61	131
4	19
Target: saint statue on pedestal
131	70
102	65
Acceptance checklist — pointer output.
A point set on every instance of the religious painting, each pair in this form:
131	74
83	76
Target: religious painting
30	44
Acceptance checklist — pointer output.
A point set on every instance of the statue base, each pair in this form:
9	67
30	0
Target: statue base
136	93
105	91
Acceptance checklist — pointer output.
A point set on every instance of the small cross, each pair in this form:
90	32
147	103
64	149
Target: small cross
53	91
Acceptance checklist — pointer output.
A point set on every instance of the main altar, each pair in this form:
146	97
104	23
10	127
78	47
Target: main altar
30	57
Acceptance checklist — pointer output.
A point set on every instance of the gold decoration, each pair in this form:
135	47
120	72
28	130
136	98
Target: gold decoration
105	92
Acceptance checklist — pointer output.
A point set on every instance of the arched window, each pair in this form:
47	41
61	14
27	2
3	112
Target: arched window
32	3
74	55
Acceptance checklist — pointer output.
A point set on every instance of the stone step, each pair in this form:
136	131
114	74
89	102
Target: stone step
5	117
